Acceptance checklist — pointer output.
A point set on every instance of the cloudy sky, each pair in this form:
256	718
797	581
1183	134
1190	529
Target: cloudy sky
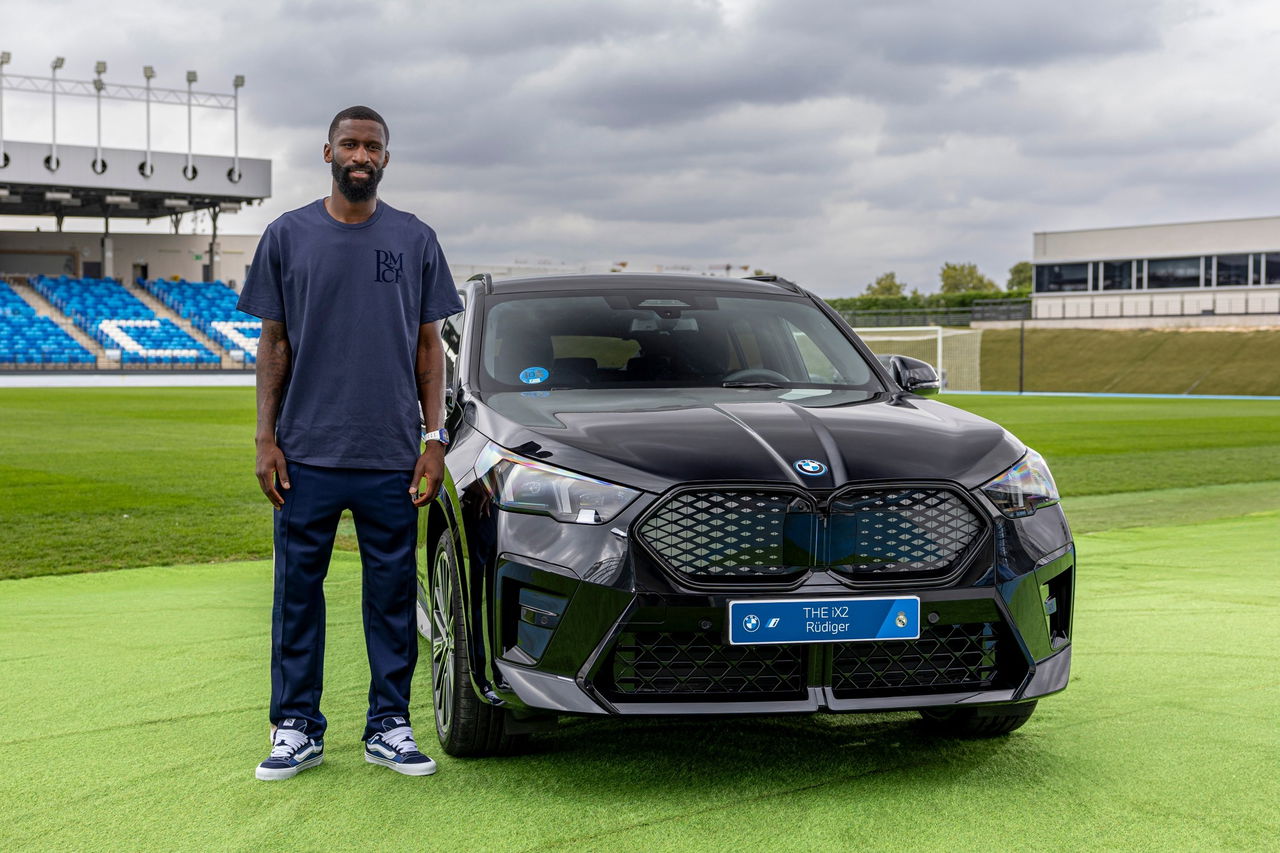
825	140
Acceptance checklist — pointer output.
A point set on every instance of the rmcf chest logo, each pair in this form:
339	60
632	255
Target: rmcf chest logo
390	266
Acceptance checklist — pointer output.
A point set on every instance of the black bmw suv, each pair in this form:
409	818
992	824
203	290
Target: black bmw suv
686	495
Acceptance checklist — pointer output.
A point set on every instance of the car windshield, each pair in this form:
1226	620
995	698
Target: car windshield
665	339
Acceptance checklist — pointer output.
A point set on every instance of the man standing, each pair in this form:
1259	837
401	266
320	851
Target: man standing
350	367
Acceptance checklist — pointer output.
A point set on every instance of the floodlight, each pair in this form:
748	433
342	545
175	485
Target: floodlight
191	77
176	202
58	62
57	195
5	56
148	71
117	199
99	68
229	207
238	81
98	85
4	192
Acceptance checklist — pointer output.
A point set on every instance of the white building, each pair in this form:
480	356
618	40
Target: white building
1223	273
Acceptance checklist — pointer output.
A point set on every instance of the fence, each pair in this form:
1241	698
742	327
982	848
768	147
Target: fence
982	309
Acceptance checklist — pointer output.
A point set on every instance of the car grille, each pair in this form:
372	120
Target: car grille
945	658
690	664
723	534
871	535
892	532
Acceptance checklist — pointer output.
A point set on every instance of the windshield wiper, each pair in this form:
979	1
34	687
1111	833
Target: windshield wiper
750	383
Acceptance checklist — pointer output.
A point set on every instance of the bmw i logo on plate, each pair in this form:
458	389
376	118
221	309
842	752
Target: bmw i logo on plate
750	622
811	467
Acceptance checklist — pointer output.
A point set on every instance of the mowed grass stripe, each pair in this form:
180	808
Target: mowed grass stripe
136	710
1103	446
100	479
115	478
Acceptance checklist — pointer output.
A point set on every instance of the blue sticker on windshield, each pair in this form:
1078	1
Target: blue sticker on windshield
534	375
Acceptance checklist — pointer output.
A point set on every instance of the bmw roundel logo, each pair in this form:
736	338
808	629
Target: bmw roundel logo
750	622
811	467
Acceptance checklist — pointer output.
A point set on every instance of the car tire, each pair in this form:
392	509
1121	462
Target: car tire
985	721
465	724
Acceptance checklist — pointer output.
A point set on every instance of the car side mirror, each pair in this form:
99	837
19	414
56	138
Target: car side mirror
913	375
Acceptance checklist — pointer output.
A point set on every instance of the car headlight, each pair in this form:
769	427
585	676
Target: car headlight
1024	488
520	484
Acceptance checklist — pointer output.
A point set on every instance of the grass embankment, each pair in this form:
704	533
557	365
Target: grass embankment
1134	362
135	710
108	478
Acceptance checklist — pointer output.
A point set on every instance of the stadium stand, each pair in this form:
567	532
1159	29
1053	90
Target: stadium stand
119	321
210	306
26	339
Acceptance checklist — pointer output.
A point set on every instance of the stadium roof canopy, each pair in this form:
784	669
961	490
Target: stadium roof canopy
47	179
116	185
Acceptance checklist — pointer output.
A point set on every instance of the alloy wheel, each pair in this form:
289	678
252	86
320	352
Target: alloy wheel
442	641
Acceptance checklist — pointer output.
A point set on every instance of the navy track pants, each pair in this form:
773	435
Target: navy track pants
387	529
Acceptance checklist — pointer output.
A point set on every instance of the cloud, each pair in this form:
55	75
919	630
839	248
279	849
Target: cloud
825	140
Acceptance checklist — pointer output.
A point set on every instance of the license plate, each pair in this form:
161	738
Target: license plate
823	620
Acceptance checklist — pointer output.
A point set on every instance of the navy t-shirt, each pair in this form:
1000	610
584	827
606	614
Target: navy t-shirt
351	298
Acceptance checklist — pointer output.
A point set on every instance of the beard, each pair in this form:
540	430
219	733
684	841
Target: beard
352	190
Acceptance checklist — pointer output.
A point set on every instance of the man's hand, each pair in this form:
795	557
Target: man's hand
270	467
430	467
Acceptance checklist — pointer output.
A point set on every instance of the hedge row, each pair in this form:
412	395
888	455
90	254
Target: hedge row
920	300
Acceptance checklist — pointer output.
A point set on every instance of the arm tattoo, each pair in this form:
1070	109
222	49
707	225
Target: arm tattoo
274	358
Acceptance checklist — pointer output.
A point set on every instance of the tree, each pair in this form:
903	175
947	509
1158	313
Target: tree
885	285
1020	276
965	278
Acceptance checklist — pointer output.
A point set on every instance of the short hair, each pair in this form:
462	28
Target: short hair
360	114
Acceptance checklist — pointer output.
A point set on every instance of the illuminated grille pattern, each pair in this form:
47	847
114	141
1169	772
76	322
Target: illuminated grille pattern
883	533
655	664
722	534
899	530
950	657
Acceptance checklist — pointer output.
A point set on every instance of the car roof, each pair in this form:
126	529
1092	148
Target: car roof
644	281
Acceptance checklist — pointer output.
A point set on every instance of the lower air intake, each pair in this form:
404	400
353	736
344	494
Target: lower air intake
654	665
945	658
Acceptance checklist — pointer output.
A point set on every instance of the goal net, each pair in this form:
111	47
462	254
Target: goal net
955	353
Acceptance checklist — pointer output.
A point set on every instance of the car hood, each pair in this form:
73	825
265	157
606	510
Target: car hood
654	439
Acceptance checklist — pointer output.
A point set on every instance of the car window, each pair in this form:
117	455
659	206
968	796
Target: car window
451	337
818	367
663	339
606	352
745	351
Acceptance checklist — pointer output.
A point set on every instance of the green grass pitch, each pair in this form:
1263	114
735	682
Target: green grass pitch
134	702
134	711
107	479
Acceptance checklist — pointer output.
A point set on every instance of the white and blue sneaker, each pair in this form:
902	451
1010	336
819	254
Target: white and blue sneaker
394	747
291	751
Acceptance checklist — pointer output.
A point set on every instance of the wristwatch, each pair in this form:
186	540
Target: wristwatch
441	435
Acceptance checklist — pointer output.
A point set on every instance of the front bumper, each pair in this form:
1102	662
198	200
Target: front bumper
613	634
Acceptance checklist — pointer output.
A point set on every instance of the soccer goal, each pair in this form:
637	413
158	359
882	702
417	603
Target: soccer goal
955	353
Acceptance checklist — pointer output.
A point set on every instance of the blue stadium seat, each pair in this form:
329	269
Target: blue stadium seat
210	306
27	339
118	320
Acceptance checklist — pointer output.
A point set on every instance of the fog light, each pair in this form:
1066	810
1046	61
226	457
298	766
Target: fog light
539	617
